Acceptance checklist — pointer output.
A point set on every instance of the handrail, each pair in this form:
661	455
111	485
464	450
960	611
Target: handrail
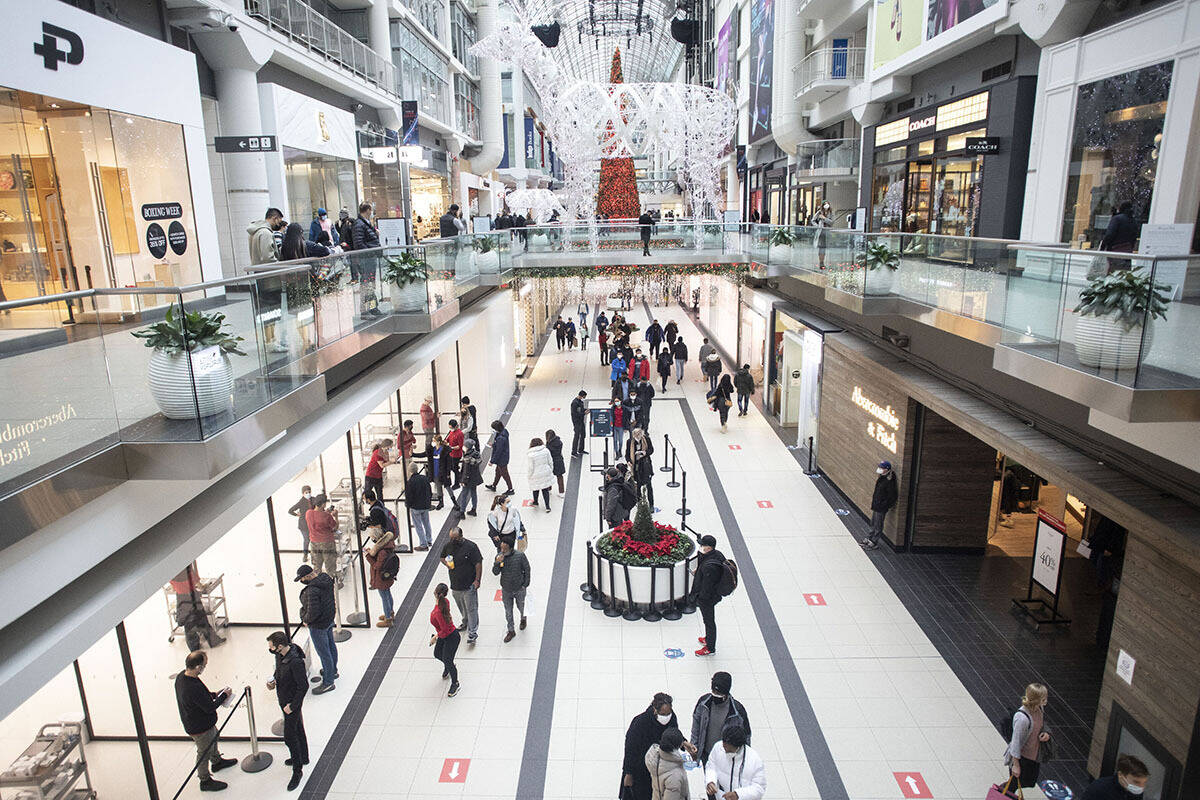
1066	248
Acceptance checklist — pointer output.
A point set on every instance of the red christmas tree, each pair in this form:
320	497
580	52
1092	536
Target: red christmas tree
618	194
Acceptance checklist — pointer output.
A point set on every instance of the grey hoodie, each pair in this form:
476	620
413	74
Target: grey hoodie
262	243
668	778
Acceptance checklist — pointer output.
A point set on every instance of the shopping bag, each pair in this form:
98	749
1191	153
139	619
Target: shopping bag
1001	791
1084	548
522	542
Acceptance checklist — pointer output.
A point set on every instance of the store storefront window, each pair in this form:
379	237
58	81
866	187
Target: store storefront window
380	182
887	198
318	181
79	187
1114	150
430	199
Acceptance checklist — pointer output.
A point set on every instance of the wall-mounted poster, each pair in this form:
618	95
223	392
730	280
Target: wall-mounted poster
762	59
899	27
945	14
724	75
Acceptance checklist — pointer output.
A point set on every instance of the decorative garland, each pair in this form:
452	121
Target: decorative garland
630	244
633	270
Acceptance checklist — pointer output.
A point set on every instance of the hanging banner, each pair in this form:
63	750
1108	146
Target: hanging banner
530	151
504	161
408	117
724	75
762	61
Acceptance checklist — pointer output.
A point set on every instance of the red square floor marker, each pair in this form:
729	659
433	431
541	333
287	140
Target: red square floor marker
454	770
912	785
814	599
735	447
526	503
765	504
556	409
562	381
499	595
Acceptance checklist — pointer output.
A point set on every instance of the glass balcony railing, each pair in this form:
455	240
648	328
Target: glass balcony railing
322	36
623	238
830	65
827	155
199	359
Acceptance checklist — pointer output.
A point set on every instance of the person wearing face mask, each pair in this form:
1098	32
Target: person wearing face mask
715	713
619	424
263	249
198	712
299	510
734	770
1029	733
290	684
882	499
1129	782
322	222
645	729
822	221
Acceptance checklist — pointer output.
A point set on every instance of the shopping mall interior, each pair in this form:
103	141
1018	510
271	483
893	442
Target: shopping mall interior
870	324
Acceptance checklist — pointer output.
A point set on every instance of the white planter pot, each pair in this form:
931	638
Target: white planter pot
334	316
879	281
1104	343
612	583
171	384
488	263
779	254
409	300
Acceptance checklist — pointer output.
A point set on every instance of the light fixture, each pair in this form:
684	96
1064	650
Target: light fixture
54	105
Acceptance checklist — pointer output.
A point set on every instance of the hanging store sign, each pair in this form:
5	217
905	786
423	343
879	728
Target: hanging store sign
530	151
408	116
983	144
379	155
886	423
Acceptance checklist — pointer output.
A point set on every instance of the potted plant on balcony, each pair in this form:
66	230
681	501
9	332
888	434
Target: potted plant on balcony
1113	311
190	372
879	263
642	547
782	240
406	275
713	234
487	257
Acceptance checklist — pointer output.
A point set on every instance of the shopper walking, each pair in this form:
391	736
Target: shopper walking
670	333
418	498
882	499
716	712
500	456
646	224
540	470
680	352
298	510
1029	733
646	729
322	535
555	445
1129	782
602	321
513	568
582	310
290	684
706	590
706	350
711	367
578	423
734	769
446	637
664	360
504	522
583	335
560	333
571	335
743	381
602	344
722	399
318	609
638	453
373	474
462	558
664	762
620	422
198	713
471	468
380	554
654	338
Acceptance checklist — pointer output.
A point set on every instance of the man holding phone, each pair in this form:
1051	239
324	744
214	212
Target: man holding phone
198	712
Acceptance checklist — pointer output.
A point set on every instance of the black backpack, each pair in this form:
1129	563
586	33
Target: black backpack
629	494
391	567
729	578
1006	723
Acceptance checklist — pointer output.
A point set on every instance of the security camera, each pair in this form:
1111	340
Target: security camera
232	27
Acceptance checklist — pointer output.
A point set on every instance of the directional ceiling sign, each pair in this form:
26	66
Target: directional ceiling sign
245	144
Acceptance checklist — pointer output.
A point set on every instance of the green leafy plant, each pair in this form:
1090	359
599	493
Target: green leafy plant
484	244
1126	294
781	237
405	269
189	331
879	256
712	230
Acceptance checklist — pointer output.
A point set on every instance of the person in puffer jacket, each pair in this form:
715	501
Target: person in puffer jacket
668	777
541	471
733	766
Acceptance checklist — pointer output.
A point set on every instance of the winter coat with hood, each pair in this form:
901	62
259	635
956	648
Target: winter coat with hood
614	511
262	243
679	350
712	364
703	711
709	568
671	332
618	368
742	772
668	778
541	468
500	451
743	381
555	447
377	558
644	730
317	607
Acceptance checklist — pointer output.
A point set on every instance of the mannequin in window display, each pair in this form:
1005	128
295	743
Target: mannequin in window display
190	611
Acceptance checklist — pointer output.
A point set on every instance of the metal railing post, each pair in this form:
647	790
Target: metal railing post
631	613
652	613
610	608
666	445
258	760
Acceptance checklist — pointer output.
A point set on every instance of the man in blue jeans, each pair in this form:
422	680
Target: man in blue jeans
317	610
418	496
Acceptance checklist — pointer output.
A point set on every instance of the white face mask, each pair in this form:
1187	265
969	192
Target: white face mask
307	494
661	719
1135	790
879	471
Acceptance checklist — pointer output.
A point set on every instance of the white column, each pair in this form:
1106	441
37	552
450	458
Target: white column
245	173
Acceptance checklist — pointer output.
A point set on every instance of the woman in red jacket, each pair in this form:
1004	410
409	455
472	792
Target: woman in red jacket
446	637
378	553
373	475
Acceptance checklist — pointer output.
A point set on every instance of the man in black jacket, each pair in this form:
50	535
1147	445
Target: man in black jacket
647	223
317	610
449	224
290	684
645	393
714	713
707	592
198	712
1128	784
614	511
560	333
743	381
418	497
364	237
882	499
579	421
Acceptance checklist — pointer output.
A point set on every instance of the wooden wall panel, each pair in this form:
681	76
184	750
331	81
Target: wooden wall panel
954	487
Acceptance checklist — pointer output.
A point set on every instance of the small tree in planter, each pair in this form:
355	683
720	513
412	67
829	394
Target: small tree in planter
1113	311
782	240
487	258
405	275
880	263
190	372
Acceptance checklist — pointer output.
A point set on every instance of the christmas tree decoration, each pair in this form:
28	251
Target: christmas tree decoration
617	195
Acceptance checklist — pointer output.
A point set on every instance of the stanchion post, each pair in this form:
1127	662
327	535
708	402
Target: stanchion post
631	613
355	617
588	588
610	610
258	760
340	634
652	613
598	591
666	448
672	612
810	449
683	510
688	606
673	483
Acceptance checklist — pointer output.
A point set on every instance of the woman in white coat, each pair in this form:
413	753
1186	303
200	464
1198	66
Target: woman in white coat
504	522
734	767
541	471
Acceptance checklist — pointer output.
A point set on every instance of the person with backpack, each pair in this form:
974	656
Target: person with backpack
1026	733
743	381
513	568
716	712
614	490
380	553
711	584
472	476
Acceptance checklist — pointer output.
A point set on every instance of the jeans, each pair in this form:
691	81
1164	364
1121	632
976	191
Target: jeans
389	608
618	442
295	739
444	650
712	382
710	625
723	411
743	403
468	607
577	440
509	598
664	376
679	362
468	493
545	496
420	518
654	348
206	742
326	647
304	536
324	557
877	518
